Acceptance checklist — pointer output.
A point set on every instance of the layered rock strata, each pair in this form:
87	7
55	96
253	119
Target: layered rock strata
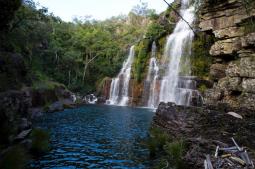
233	71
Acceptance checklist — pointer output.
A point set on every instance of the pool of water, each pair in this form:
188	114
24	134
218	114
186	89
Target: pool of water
96	137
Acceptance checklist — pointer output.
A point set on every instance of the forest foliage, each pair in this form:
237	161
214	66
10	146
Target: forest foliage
78	54
81	53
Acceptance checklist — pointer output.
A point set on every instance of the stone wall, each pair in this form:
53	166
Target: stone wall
233	70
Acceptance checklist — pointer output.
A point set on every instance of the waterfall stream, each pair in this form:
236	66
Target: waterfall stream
177	50
152	77
176	83
120	85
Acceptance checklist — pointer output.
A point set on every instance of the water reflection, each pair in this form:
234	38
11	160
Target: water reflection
96	137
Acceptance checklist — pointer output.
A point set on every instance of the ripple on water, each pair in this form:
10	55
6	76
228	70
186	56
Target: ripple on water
96	137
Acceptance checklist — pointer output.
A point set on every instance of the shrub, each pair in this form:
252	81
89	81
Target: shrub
15	158
249	26
175	151
169	151
202	88
157	140
200	58
40	141
155	31
140	63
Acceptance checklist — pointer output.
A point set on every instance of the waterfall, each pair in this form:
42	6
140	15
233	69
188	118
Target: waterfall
120	85
152	77
177	50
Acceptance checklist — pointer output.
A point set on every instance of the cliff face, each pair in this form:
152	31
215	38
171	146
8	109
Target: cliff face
233	70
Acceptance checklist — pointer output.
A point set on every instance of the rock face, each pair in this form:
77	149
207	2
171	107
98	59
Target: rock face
232	23
14	116
104	90
204	128
13	71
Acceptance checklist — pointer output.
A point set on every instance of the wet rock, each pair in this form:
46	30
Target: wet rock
68	103
104	89
22	135
41	97
36	112
24	124
101	100
27	143
56	106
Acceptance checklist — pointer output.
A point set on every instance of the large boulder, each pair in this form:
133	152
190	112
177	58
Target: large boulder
14	115
217	71
226	47
247	67
56	106
248	40
233	69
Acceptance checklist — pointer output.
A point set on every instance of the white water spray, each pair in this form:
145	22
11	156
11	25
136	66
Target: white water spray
178	47
153	75
120	85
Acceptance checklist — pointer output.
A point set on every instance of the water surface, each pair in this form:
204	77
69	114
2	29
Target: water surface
97	137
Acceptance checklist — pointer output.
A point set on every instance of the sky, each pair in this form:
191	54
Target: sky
98	9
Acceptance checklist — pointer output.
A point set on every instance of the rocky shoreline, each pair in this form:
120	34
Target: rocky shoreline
204	128
18	109
228	109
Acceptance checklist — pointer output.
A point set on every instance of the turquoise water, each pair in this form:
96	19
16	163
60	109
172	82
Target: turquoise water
97	137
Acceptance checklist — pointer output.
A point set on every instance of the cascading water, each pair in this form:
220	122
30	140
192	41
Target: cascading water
120	85
177	48
152	77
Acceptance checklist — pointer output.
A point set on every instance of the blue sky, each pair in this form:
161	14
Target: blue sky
98	9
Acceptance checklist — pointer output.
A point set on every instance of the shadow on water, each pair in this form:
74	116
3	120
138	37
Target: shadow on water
97	137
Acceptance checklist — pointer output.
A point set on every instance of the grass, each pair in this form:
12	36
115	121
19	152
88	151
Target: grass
175	151
202	88
164	149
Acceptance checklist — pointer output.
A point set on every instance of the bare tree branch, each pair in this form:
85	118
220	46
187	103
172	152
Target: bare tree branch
180	16
86	64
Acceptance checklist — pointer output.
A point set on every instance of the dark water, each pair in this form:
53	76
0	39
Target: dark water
97	137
